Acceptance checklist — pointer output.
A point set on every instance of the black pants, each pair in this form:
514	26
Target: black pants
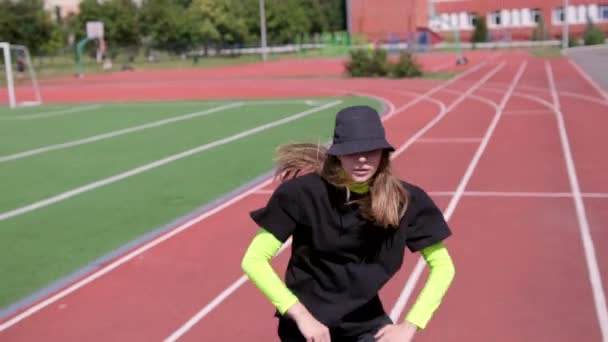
289	331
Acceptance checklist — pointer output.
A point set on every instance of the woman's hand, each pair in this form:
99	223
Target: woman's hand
310	327
403	332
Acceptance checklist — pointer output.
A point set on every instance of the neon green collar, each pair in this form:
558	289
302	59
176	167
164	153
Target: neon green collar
359	188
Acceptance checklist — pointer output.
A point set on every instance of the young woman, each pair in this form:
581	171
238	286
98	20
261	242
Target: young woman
350	220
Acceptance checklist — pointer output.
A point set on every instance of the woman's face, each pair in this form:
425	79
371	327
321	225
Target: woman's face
361	166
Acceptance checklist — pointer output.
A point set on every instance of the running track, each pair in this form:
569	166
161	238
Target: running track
511	151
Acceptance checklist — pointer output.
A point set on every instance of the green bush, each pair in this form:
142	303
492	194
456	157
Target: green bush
379	65
480	34
593	35
358	66
364	63
406	67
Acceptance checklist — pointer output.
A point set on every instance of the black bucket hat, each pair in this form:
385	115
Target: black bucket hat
358	129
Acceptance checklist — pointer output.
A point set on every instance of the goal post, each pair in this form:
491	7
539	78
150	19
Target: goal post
19	76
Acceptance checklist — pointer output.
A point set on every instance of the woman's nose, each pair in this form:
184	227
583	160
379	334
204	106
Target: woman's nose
362	159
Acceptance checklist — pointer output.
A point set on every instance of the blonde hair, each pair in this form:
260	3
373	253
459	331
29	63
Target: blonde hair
387	199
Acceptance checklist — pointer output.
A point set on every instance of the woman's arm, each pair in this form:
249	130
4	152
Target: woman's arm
440	278
256	264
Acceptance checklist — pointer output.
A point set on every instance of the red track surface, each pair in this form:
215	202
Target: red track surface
521	268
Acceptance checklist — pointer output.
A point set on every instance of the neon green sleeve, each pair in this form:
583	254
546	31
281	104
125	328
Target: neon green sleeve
440	278
256	264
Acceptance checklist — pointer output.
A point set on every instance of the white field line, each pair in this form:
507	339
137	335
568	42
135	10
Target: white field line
224	294
102	271
587	240
54	113
113	134
113	265
413	279
108	268
30	311
161	162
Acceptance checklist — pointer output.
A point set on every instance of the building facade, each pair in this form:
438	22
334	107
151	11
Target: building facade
506	19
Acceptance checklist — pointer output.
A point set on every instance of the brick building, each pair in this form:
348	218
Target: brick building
383	20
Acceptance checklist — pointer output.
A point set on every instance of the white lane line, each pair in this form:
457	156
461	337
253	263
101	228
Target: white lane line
517	194
473	97
564	93
113	134
263	192
436	119
219	299
214	303
591	81
161	162
520	194
587	240
308	102
529	112
53	113
448	140
441	86
413	279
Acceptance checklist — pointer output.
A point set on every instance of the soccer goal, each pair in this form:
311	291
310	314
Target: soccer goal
18	85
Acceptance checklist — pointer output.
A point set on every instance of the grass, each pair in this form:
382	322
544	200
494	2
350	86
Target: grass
549	51
41	246
440	75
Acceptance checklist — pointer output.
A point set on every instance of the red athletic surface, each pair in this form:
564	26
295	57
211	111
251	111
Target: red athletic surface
521	270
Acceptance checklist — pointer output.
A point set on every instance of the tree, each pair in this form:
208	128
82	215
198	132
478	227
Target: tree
119	18
593	35
540	31
285	20
219	24
481	30
25	22
166	24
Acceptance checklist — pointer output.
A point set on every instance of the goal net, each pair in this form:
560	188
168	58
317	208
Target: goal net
18	84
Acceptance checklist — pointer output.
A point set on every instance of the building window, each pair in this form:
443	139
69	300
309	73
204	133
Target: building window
593	13
558	15
465	21
494	19
536	14
603	12
445	22
582	14
454	21
473	17
505	19
515	18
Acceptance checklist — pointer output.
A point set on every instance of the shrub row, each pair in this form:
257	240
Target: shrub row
375	63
